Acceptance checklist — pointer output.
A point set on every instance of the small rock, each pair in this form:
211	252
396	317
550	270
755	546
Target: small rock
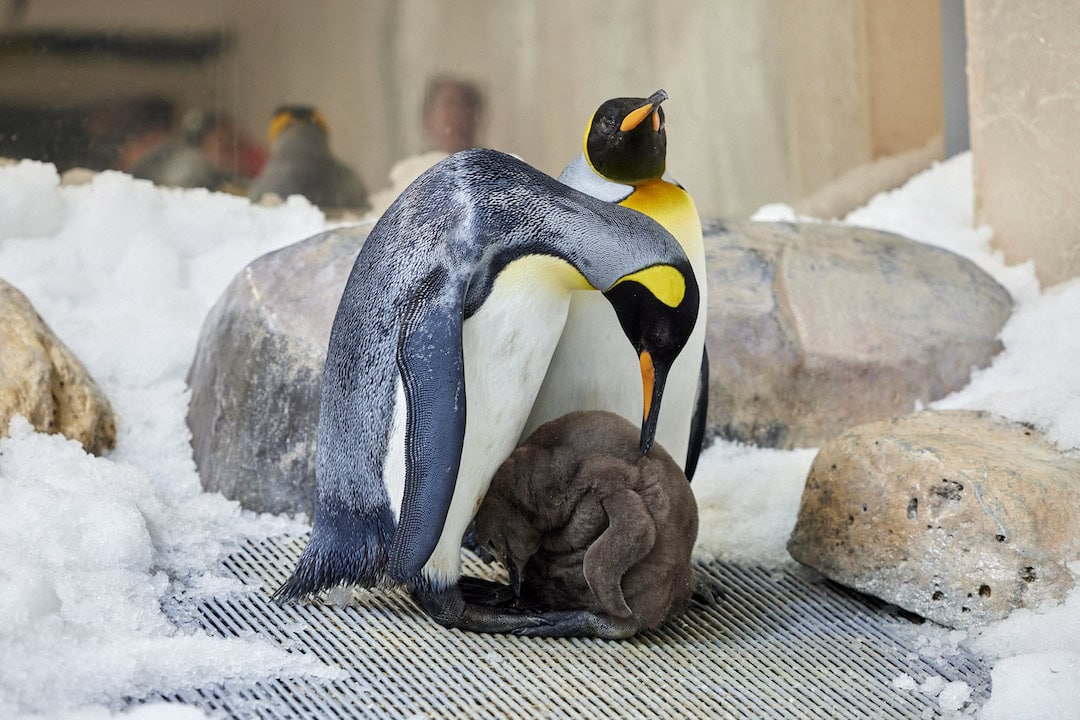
815	328
44	382
257	373
958	516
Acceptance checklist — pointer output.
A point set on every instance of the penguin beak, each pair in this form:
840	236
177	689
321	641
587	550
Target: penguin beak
637	116
653	378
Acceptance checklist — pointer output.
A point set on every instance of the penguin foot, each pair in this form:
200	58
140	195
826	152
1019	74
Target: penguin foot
581	623
448	608
486	592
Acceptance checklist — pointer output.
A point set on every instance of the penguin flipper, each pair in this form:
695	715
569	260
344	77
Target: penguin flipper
700	419
430	361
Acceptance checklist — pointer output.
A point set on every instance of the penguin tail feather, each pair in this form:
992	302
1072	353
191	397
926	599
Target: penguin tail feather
332	559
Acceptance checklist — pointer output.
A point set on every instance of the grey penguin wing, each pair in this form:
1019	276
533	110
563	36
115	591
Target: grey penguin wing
699	420
431	364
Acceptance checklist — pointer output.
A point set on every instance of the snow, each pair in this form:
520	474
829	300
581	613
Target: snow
91	548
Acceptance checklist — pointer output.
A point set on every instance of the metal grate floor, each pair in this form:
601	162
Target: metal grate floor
775	645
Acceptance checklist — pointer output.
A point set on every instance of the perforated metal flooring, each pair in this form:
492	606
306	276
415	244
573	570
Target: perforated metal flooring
774	645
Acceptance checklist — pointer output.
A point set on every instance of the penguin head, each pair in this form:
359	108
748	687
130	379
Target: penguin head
657	309
287	117
626	141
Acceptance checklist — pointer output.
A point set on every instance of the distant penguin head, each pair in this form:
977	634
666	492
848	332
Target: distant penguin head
657	308
626	141
290	117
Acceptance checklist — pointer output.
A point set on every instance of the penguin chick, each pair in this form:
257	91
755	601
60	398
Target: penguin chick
623	161
589	525
301	163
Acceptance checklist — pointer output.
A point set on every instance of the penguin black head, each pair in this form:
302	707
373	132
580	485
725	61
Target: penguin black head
657	308
626	141
288	115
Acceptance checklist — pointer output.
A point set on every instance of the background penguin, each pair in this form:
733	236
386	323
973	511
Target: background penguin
585	522
301	163
453	308
179	161
623	162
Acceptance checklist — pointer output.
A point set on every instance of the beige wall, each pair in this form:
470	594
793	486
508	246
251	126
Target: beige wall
1024	89
771	100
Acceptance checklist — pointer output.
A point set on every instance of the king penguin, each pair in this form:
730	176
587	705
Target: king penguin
442	337
301	163
623	162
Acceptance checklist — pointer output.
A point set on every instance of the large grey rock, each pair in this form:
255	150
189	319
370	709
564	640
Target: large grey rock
43	381
814	328
958	516
257	373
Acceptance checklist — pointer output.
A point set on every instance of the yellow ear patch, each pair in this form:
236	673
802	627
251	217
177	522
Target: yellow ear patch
283	119
663	281
278	123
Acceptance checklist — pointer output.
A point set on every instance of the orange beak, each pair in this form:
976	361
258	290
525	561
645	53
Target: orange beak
637	116
653	379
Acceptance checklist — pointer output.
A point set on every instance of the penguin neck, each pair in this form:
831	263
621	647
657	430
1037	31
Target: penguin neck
580	175
671	206
302	140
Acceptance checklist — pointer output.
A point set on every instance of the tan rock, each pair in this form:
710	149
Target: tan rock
958	516
815	328
42	380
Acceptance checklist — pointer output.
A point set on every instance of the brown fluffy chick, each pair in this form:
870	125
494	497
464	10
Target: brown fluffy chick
587	524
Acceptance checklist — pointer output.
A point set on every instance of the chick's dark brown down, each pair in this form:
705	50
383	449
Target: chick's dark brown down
586	523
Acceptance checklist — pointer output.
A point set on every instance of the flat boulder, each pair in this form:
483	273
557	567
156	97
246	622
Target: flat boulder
958	516
257	373
815	328
42	380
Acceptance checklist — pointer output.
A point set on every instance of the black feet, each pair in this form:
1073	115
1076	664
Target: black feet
448	607
487	607
488	593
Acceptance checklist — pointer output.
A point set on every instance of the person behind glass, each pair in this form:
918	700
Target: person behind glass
451	119
452	113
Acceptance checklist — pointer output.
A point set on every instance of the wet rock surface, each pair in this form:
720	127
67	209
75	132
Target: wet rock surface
815	328
958	516
42	380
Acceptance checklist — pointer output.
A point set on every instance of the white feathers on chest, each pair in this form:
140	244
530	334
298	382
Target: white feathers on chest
507	346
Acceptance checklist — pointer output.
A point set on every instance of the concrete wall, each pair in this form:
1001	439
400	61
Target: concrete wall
771	100
1024	84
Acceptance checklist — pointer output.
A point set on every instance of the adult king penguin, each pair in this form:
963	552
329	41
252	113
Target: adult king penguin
623	161
442	338
301	163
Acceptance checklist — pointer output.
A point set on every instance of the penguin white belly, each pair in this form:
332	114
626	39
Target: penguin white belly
507	346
